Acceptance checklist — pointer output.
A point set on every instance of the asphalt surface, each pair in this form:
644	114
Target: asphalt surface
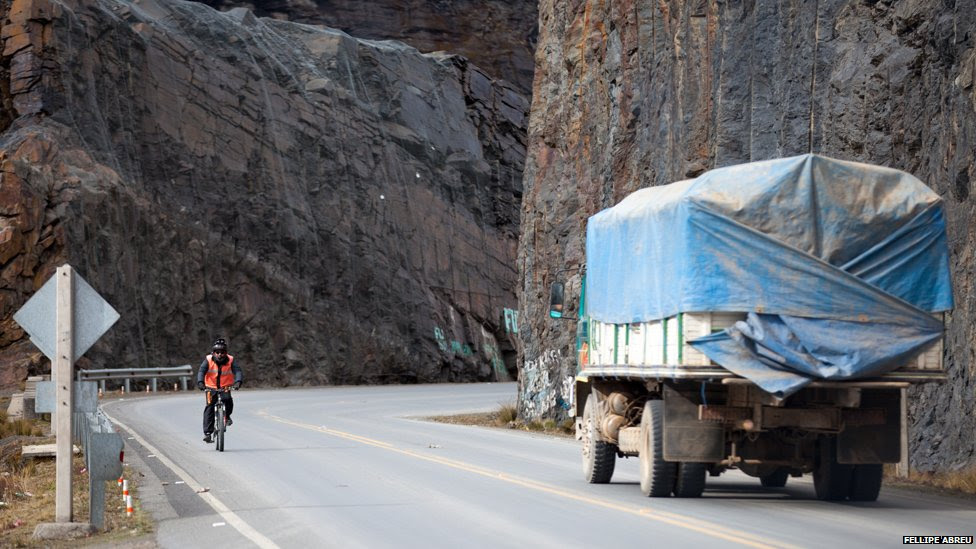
360	467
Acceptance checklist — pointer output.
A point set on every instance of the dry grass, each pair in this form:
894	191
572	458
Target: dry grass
20	427
961	482
27	492
508	413
506	417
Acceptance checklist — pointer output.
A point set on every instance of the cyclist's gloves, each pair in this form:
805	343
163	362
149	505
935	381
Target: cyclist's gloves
200	385
238	384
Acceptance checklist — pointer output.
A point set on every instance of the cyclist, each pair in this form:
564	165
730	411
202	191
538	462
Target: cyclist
217	373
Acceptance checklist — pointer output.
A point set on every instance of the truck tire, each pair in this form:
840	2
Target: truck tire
831	480
866	482
690	482
657	476
599	456
776	479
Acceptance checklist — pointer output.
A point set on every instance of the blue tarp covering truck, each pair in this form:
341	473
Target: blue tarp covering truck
765	317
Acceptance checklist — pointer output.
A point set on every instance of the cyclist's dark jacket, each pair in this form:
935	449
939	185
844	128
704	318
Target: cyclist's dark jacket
229	373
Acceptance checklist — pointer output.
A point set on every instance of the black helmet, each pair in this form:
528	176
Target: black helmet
219	344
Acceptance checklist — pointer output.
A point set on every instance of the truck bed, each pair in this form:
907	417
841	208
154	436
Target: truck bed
660	350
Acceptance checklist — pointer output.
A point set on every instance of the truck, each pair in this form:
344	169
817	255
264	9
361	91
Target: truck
766	317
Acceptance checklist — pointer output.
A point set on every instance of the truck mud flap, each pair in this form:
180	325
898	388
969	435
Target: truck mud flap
581	391
860	444
686	438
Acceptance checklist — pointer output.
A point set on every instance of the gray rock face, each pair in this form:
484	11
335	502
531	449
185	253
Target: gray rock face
497	35
341	210
633	94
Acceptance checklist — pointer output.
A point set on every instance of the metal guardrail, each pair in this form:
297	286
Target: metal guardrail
101	444
153	374
103	458
91	427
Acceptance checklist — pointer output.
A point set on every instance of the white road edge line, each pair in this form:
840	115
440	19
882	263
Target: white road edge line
237	522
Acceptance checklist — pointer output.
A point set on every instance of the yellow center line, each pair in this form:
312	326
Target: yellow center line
326	430
674	519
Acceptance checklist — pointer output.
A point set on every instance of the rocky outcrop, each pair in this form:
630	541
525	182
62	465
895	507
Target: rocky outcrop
497	35
341	210
632	94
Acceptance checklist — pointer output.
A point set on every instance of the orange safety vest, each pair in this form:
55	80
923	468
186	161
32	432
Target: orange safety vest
225	372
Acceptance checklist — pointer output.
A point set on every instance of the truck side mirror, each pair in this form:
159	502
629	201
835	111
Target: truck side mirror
556	300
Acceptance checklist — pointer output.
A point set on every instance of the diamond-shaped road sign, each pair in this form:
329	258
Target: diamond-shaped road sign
92	316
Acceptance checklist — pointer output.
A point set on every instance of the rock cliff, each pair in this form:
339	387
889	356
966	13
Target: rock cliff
631	94
341	210
496	35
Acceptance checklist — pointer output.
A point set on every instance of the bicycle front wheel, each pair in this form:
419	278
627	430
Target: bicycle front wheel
219	427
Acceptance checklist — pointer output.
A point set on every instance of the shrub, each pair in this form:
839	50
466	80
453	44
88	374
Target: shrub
507	414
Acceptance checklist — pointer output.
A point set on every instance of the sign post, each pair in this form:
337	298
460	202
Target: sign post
64	318
61	368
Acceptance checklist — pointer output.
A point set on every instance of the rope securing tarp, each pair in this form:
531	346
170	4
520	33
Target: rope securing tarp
839	266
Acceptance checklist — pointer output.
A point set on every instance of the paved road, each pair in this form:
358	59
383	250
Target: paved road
357	467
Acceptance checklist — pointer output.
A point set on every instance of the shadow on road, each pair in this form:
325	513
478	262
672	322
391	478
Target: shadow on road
802	493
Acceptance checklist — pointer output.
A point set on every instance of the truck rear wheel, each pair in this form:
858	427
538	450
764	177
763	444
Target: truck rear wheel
866	482
690	482
831	480
657	477
599	456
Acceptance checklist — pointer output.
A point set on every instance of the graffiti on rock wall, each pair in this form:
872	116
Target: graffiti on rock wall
544	359
439	337
454	346
537	390
490	348
511	320
565	398
497	364
460	349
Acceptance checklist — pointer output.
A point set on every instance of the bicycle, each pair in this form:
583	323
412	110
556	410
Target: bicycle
220	420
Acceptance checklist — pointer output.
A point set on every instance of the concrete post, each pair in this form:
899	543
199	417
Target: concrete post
64	385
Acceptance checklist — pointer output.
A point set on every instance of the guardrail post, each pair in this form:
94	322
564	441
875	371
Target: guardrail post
183	382
102	457
128	389
154	385
96	499
101	385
